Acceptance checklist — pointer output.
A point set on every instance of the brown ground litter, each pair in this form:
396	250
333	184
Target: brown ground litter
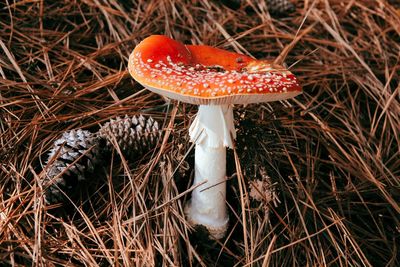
332	155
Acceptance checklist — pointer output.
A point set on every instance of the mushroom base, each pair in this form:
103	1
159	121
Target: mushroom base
216	231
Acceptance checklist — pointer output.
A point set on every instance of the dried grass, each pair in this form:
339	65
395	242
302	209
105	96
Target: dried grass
332	154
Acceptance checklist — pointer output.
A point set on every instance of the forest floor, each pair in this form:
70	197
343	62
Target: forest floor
330	158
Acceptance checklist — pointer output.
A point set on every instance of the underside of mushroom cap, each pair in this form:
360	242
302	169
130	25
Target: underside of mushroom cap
205	75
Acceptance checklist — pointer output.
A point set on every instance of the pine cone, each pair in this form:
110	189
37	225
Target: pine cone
76	154
280	7
133	134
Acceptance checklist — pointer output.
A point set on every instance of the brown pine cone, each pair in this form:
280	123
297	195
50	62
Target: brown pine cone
72	156
134	135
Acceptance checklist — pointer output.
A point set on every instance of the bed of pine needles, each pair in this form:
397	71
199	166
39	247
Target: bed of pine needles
331	156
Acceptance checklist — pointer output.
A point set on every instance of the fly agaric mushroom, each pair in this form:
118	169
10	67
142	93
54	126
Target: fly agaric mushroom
215	79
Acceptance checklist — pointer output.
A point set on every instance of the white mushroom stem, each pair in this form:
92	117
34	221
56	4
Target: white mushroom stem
212	130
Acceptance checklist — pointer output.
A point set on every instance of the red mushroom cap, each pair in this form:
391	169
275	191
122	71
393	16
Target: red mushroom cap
200	74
